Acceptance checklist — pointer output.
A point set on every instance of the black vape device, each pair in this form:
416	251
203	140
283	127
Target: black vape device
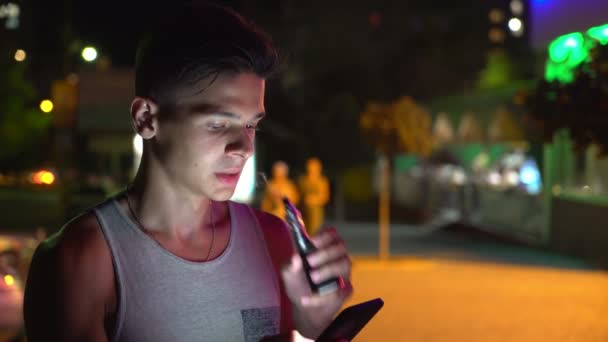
305	247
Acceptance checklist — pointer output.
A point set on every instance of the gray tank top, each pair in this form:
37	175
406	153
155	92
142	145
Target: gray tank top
162	297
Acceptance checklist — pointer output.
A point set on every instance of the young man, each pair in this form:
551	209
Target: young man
171	258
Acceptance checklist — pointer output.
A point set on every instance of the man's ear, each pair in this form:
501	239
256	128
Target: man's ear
144	116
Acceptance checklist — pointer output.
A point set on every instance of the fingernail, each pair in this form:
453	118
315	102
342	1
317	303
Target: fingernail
314	276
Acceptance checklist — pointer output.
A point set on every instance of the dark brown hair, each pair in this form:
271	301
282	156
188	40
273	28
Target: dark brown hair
197	41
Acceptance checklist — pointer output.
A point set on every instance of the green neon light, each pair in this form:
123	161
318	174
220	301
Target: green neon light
550	72
600	33
558	72
569	49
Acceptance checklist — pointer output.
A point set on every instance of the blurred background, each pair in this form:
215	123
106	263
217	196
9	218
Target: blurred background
464	146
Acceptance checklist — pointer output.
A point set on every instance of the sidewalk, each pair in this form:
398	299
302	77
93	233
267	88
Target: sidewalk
438	299
443	239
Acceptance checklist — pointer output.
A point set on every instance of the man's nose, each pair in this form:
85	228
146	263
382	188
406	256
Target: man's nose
241	143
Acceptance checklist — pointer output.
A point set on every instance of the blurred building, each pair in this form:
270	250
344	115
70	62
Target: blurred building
103	120
508	23
510	54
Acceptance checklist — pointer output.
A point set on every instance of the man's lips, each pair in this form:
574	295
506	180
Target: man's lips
231	170
229	177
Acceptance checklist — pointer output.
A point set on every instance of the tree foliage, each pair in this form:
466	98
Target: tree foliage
22	126
498	71
581	106
401	126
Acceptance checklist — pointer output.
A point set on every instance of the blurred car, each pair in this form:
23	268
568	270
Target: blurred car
11	290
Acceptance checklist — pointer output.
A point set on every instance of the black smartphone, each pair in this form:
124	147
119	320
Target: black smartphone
351	320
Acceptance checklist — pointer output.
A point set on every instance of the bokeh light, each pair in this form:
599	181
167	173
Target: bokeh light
43	177
515	25
46	106
9	280
20	55
89	54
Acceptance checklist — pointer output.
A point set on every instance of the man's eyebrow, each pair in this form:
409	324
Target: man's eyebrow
229	115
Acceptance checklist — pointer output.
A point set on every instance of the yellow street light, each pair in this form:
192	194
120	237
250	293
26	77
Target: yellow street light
46	106
89	54
9	280
20	55
43	177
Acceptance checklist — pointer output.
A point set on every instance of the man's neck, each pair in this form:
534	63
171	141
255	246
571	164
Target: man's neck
166	207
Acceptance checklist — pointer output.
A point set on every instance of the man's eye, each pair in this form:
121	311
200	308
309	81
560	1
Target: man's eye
254	127
217	125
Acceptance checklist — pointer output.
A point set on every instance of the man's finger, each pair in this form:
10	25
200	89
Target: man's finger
326	255
316	300
327	236
340	268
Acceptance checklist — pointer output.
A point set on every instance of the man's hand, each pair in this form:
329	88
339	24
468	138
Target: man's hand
312	313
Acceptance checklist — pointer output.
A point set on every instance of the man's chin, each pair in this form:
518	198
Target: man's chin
222	195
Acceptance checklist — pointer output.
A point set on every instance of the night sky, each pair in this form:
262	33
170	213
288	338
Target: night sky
115	25
54	32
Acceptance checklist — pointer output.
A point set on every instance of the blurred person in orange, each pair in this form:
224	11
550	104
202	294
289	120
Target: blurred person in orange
314	188
279	186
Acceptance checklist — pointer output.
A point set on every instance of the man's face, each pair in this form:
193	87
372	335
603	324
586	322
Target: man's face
206	142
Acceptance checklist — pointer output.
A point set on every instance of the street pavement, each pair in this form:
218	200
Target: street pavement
455	284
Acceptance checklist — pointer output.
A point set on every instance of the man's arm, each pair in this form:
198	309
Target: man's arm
280	248
70	289
310	314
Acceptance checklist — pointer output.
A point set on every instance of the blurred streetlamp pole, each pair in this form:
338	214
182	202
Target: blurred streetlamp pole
375	122
384	208
401	126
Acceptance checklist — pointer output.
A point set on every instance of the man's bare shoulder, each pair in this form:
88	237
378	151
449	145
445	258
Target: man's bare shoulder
80	238
70	287
76	253
77	256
